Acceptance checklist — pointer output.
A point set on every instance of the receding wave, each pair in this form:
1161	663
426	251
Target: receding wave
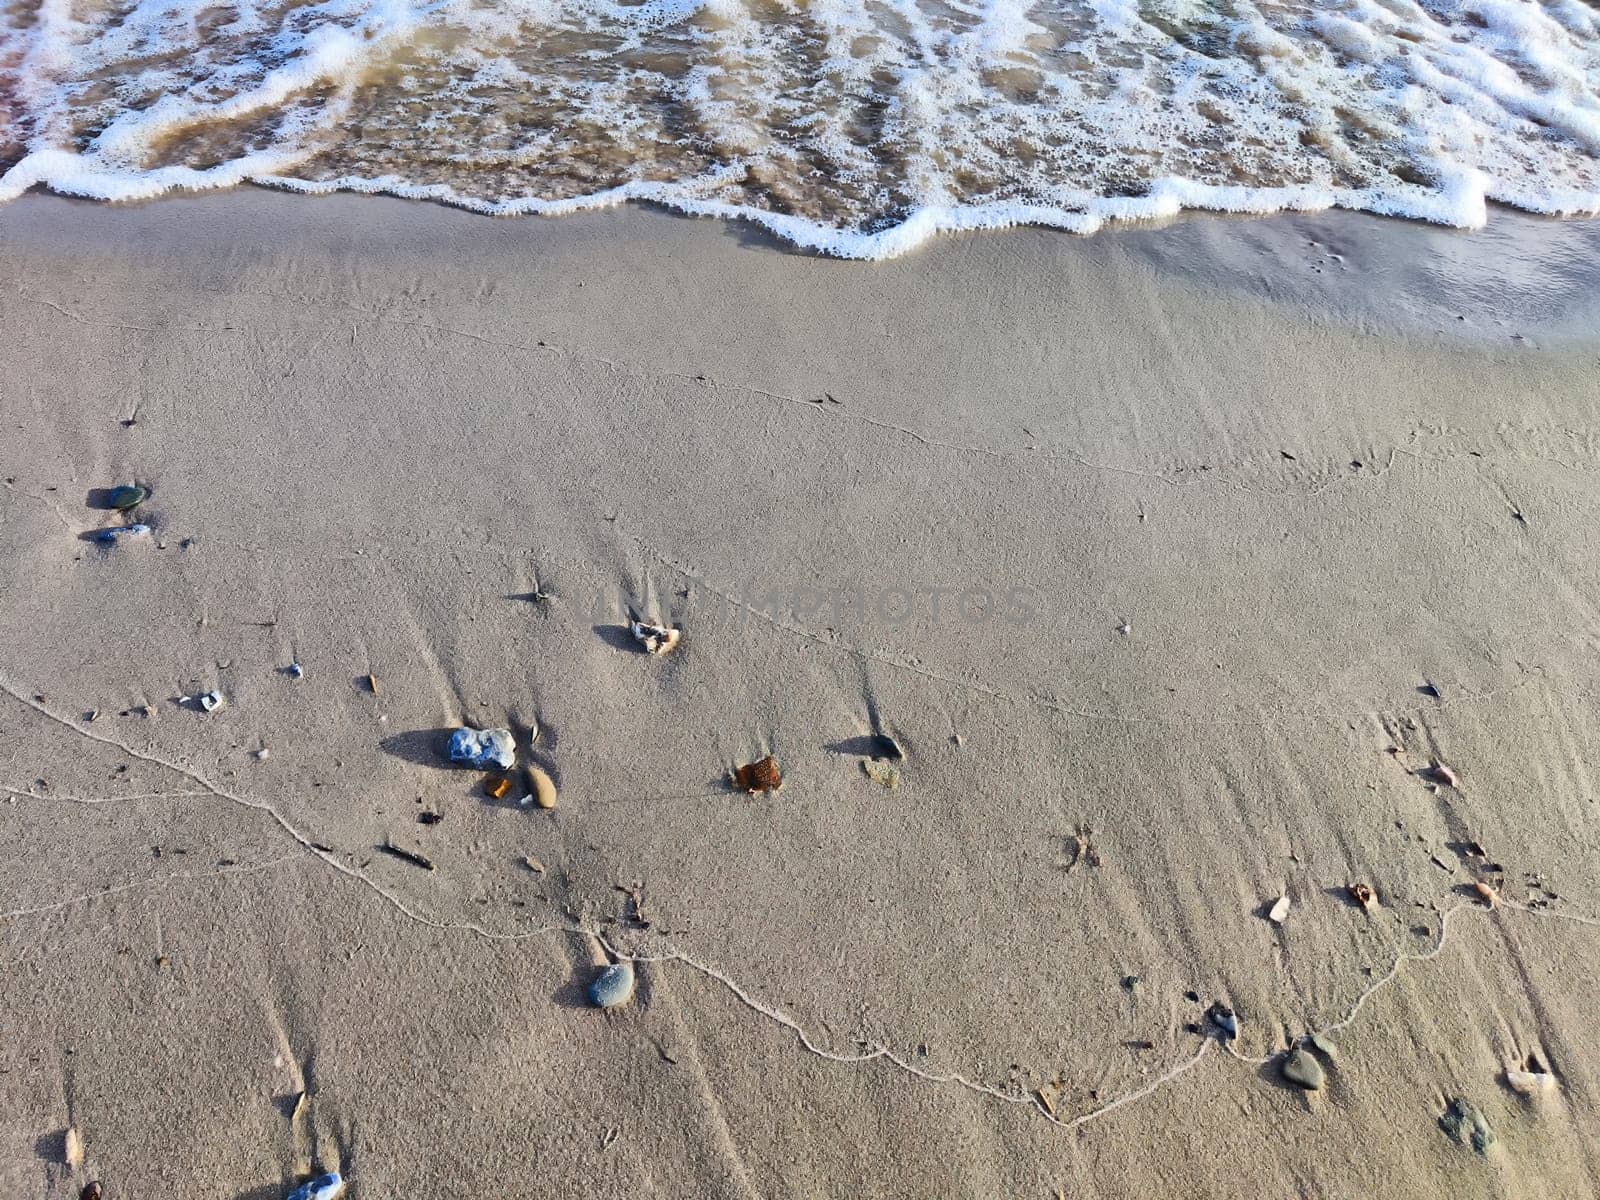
857	128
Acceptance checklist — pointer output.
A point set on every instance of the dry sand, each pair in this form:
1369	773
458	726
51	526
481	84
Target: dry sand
374	429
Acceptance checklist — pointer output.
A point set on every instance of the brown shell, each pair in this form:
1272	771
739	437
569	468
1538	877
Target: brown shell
1363	895
1486	893
496	787
91	1191
760	776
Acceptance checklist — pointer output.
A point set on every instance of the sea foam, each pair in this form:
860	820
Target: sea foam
856	128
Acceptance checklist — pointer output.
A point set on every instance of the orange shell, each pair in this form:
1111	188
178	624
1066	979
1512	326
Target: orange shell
760	776
497	787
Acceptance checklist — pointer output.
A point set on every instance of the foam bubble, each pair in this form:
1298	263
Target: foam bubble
858	129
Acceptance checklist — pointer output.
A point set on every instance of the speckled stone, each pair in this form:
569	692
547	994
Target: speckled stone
1466	1125
613	987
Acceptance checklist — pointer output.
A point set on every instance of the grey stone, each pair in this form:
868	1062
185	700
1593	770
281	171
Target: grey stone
1302	1069
613	987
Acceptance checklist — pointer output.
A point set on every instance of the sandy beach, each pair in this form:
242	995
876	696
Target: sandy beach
1182	585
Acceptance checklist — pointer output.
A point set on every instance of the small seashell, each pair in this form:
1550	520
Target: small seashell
211	701
485	749
1445	775
73	1148
533	864
1487	894
496	787
92	1191
881	773
613	987
656	639
1279	910
372	683
1364	896
1529	1083
762	775
323	1187
263	754
542	789
126	496
1225	1019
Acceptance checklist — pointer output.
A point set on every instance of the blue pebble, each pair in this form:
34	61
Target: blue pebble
485	749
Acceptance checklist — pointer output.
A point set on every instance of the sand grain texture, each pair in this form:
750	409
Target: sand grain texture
373	431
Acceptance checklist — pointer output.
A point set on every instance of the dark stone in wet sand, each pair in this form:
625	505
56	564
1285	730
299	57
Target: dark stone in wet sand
1466	1125
126	496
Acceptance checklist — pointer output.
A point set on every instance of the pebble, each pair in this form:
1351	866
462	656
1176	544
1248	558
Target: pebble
119	533
323	1187
542	789
656	639
1280	910
126	496
263	754
211	701
485	749
1225	1019
296	670
1302	1069
613	987
881	773
1323	1045
1466	1125
73	1150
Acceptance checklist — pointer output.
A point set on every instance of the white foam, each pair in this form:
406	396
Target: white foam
854	129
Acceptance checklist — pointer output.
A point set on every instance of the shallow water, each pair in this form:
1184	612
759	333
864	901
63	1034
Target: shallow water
857	128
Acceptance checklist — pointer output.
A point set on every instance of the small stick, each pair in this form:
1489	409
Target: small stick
410	856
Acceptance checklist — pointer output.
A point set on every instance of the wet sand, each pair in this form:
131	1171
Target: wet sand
1170	577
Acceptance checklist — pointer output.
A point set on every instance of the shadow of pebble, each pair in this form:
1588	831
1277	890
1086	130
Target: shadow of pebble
867	745
100	498
426	747
618	637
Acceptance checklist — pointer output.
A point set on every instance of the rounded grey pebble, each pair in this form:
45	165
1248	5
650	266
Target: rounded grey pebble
1302	1069
613	987
1323	1045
